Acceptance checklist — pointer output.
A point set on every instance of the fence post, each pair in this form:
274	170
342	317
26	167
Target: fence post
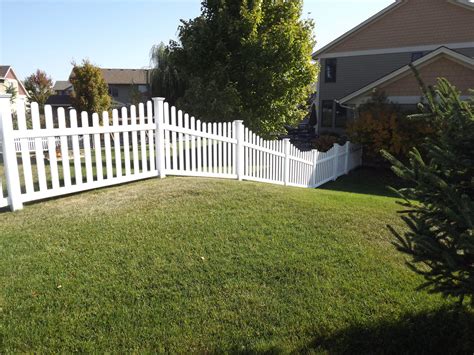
239	135
286	150
336	161
348	152
9	154
315	164
158	107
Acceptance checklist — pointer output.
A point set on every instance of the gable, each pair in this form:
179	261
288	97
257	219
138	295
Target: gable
12	76
460	75
412	23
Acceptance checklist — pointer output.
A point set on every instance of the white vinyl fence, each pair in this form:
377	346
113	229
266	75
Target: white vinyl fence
73	154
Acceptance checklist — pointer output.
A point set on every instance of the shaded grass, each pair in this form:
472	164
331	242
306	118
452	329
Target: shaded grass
203	265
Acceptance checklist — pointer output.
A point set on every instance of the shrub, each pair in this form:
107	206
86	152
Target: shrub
440	206
381	125
326	141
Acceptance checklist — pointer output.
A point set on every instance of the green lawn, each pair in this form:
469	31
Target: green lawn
206	265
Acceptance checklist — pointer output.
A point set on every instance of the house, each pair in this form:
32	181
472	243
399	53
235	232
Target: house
435	36
9	79
62	87
123	82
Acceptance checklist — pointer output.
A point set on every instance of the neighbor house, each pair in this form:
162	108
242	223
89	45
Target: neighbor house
123	82
126	86
9	79
435	36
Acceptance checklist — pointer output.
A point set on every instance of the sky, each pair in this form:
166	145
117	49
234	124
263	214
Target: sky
51	34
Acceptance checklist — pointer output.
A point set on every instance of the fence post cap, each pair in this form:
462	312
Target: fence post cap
158	98
238	121
286	139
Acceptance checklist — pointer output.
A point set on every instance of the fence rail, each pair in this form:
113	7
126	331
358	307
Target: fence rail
68	155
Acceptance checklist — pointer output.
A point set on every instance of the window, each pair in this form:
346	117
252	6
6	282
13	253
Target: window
327	113
416	56
330	70
341	116
113	91
143	88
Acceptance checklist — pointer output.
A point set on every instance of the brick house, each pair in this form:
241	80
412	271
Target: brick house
436	36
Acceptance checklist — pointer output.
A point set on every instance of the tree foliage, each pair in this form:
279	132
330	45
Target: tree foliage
39	87
165	77
249	60
440	204
91	92
10	89
381	125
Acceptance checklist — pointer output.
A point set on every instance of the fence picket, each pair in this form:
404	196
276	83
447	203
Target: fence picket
107	147
210	144
25	151
167	136
186	144
75	149
133	126
117	148
97	148
126	143
205	149
180	142
174	137
53	162
151	136
38	148
199	144
193	145
87	148
64	149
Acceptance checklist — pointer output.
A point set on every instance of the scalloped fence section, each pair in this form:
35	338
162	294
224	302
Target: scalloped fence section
60	152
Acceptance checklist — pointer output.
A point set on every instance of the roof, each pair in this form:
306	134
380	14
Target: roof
464	3
4	70
61	85
397	73
125	76
59	100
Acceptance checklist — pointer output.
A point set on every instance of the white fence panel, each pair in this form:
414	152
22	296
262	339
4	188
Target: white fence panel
67	156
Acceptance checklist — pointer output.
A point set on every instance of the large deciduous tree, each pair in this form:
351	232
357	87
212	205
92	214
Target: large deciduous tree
91	92
39	87
249	60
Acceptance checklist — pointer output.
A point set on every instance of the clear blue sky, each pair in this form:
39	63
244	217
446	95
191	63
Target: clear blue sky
50	34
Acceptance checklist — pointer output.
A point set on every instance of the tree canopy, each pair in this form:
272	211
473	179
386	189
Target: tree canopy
39	87
91	92
165	79
249	60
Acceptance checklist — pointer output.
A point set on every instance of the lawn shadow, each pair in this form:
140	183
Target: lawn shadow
365	180
445	331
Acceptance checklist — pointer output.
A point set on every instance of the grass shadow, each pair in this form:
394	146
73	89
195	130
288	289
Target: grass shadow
445	331
365	180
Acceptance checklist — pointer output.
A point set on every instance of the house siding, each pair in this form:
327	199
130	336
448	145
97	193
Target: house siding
459	75
14	80
353	73
416	22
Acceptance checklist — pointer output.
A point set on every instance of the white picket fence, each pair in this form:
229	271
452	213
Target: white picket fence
67	157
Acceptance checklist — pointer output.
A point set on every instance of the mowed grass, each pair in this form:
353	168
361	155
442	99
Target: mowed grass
206	265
